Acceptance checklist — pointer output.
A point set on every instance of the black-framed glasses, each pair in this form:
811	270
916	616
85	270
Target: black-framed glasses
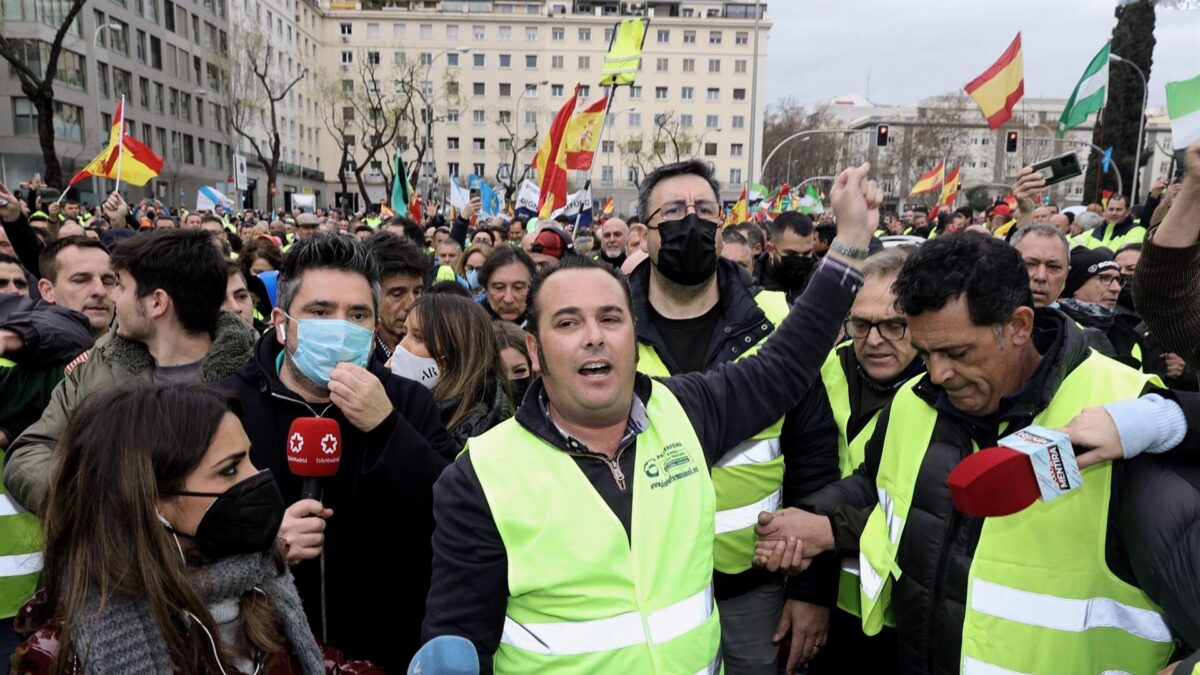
708	210
889	329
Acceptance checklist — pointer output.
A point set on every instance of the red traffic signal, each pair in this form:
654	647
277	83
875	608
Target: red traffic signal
1010	143
881	135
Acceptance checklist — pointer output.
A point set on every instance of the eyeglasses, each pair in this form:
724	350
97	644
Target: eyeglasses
1108	279
708	210
890	329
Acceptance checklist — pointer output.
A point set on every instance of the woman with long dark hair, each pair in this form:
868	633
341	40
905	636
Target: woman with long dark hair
450	348
160	548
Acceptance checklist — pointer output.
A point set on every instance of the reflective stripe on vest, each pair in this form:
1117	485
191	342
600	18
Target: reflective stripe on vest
20	553
9	506
636	601
20	565
1041	598
747	478
972	666
616	632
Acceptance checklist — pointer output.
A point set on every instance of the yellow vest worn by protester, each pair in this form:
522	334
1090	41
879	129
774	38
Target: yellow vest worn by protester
584	596
1099	237
20	550
851	452
1040	597
749	478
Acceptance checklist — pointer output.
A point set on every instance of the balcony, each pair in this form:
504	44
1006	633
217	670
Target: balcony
312	174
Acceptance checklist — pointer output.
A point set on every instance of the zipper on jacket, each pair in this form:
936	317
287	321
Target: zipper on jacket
613	463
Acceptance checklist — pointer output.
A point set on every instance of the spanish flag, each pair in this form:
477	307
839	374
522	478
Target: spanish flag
740	212
931	180
950	188
550	161
998	89
624	52
608	209
583	135
125	158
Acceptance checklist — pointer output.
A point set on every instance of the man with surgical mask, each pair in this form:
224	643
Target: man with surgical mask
790	260
694	311
316	362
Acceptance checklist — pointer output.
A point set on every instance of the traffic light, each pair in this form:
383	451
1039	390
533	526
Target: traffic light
1010	144
881	135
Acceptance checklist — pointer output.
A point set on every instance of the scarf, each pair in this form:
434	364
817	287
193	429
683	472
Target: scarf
1088	314
120	636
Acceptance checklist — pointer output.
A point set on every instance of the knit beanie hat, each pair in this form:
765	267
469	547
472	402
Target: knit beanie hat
1085	264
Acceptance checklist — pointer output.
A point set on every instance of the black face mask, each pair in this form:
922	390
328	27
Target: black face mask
688	255
793	271
1125	299
519	385
243	519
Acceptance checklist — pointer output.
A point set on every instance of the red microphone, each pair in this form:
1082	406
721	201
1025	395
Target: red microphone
1033	463
314	450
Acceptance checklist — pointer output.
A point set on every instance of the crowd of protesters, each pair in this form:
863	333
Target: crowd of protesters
541	421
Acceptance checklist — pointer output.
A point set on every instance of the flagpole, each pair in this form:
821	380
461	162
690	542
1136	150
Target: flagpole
120	145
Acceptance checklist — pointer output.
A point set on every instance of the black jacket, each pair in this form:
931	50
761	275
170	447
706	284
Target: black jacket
809	438
377	541
938	543
469	590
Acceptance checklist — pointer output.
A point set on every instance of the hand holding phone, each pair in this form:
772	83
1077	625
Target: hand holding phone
1060	168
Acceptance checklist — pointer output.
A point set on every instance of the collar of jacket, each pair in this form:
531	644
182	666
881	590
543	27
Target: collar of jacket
232	346
1117	229
531	417
1066	350
739	314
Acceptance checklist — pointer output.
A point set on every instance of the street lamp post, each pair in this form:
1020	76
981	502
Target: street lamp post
802	134
1137	160
116	28
1112	163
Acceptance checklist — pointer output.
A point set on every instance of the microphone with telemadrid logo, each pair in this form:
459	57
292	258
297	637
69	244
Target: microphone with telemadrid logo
1030	464
445	655
314	450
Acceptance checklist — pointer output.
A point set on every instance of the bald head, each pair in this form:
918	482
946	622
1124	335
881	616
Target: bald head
613	234
1061	221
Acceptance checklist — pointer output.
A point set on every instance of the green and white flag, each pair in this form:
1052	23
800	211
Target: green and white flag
1090	93
1183	107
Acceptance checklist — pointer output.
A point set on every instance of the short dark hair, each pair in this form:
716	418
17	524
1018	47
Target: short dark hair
753	233
730	235
325	250
1121	197
793	221
210	218
398	255
185	265
502	257
449	287
48	258
571	262
986	272
690	167
1133	246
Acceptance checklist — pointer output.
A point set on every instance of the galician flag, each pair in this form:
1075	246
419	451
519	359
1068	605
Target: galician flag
1183	107
1090	93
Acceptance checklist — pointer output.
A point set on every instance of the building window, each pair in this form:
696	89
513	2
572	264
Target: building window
660	93
478	60
531	33
714	65
585	90
714	94
477	32
739	94
556	62
478	116
739	122
607	147
735	149
479	168
632	174
505	117
399	31
714	37
347	58
735	176
689	65
689	37
664	36
585	34
556	91
452	169
711	121
531	91
505	33
635	92
710	149
398	58
739	66
373	58
346	28
660	64
451	87
531	61
558	34
685	121
687	93
452	59
585	62
25	117
426	30
606	174
479	89
452	116
635	119
530	117
741	38
477	144
505	89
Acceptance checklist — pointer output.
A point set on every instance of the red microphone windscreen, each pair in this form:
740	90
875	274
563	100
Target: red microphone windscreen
994	482
314	447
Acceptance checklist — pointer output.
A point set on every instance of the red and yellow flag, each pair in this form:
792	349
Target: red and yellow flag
950	188
998	89
740	212
583	135
608	208
125	158
550	161
931	180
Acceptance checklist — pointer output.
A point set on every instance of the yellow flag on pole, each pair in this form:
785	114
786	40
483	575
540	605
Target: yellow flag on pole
625	53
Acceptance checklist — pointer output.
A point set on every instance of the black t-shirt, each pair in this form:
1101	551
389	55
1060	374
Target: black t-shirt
687	340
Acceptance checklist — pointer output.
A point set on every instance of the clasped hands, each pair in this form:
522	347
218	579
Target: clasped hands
790	538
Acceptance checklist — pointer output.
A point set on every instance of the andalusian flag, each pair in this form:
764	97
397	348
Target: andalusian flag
1183	107
930	180
624	52
740	212
998	89
550	161
950	188
401	190
1090	93
125	158
583	135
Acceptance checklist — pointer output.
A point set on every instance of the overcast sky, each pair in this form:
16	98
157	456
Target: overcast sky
916	48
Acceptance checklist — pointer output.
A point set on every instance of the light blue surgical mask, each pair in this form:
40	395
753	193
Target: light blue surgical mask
321	344
473	279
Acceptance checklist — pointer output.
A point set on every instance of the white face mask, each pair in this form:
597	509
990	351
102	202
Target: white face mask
422	369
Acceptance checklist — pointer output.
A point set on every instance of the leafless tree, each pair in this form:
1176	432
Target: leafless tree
513	144
254	86
38	87
804	157
669	142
